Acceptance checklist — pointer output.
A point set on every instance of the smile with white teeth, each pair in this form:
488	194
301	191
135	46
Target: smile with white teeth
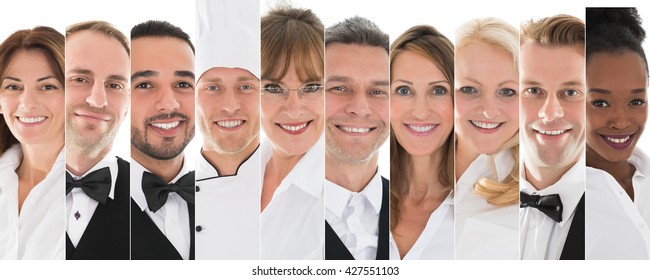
230	124
618	140
485	125
31	119
421	128
552	132
166	126
355	129
293	127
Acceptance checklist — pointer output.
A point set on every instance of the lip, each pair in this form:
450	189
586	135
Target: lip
294	128
551	134
230	124
31	121
92	116
355	130
486	127
618	141
420	129
167	128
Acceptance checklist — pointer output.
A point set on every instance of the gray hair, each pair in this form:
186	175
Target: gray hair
357	30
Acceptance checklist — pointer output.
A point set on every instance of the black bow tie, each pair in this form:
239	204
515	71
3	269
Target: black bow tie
97	184
156	190
551	204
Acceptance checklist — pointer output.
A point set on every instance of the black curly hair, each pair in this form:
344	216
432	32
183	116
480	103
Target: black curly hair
615	30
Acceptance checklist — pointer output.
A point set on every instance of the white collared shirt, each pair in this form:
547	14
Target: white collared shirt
228	211
615	226
293	225
436	242
354	216
485	231
77	201
173	218
541	237
38	231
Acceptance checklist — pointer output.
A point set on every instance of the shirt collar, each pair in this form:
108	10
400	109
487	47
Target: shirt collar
640	160
306	172
206	170
9	161
136	181
109	161
338	197
570	187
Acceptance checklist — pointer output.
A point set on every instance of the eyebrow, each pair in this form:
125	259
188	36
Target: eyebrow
82	71
38	80
239	79
12	78
609	92
342	79
184	74
144	74
117	78
430	83
506	82
474	81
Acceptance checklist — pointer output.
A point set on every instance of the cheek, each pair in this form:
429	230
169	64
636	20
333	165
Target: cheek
511	110
398	109
464	108
381	108
334	104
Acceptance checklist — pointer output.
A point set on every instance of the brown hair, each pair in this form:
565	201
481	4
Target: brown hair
292	35
560	30
428	42
498	33
41	38
101	27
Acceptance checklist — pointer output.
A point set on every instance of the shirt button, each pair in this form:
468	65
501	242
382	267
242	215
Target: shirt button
199	228
198	189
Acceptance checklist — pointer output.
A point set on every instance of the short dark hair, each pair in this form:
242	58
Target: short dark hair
159	28
357	30
614	30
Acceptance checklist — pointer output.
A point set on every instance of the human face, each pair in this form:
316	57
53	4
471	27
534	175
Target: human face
32	99
421	105
487	99
162	81
552	100
292	125
617	107
357	87
97	88
228	109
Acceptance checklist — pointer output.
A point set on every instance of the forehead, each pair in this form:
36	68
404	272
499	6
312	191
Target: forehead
362	62
625	69
482	58
93	51
225	74
162	54
30	63
551	65
412	64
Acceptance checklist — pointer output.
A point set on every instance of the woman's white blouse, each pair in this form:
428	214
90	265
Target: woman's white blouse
38	232
615	226
483	230
436	242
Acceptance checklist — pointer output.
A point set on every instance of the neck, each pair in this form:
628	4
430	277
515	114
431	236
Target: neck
353	176
423	177
37	161
464	157
227	164
78	162
280	165
544	177
166	169
620	170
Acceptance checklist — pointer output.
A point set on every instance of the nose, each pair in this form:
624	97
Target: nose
28	100
359	104
421	108
167	101
229	102
294	107
490	107
619	119
97	97
552	109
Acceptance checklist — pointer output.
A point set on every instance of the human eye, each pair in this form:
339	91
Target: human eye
115	86
311	88
377	92
184	85
78	80
246	87
600	103
439	91
638	102
49	87
12	87
273	89
402	91
507	92
468	90
571	92
143	85
338	90
533	91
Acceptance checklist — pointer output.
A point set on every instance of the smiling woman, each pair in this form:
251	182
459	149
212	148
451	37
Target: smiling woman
32	135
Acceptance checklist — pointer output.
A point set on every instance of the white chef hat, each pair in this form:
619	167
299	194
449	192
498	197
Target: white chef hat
228	35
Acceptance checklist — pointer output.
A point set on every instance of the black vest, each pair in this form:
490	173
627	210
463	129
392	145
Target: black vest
107	234
574	245
336	250
148	242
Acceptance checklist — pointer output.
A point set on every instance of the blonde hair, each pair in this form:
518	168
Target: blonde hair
560	30
428	42
101	27
500	34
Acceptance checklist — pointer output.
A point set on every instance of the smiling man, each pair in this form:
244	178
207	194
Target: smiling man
552	67
356	196
97	182
162	124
